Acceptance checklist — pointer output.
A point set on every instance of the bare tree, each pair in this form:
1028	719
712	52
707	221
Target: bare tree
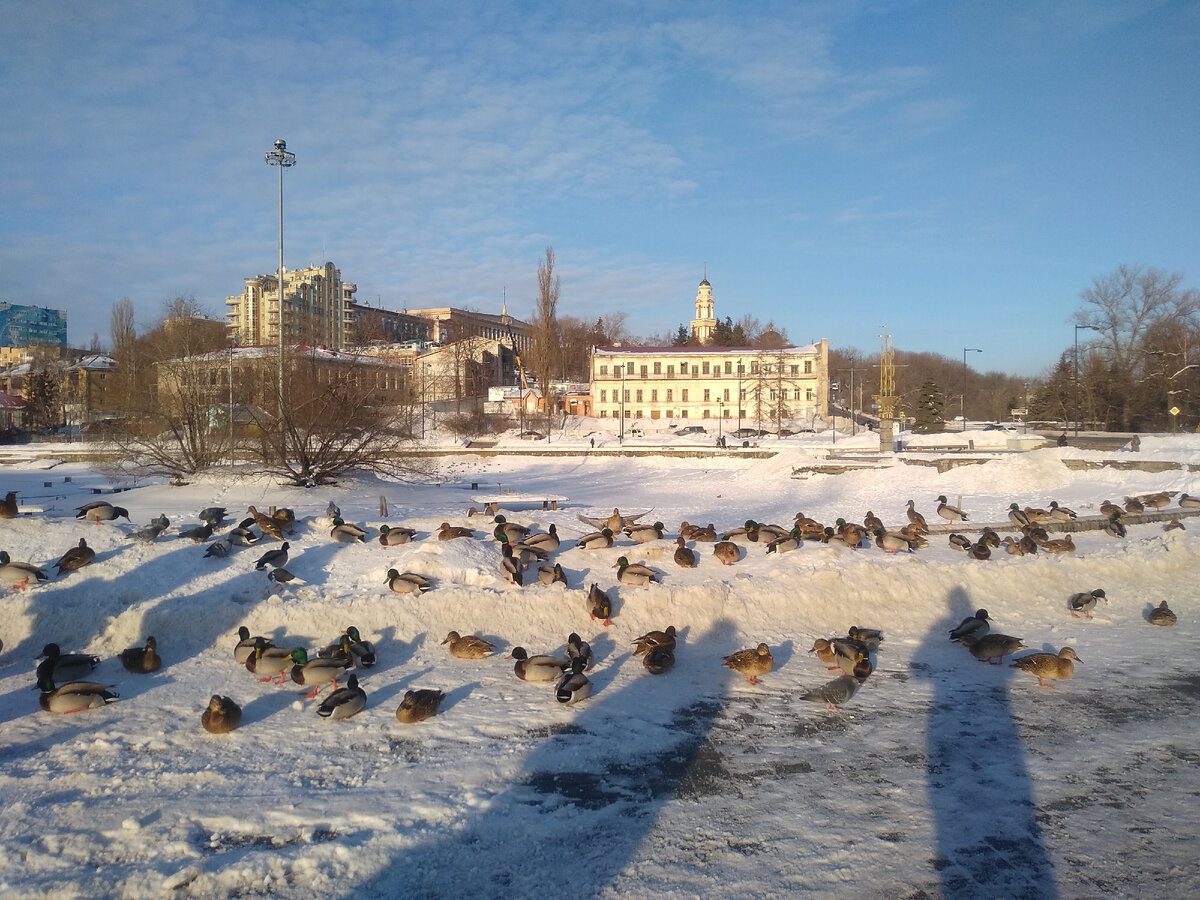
545	350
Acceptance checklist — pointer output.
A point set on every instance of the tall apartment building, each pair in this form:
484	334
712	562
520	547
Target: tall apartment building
318	309
32	326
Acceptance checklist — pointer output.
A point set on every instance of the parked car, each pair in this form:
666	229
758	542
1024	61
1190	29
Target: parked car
693	429
1001	426
750	433
532	436
636	432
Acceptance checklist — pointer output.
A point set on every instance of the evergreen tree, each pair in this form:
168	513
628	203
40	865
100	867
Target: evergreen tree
929	417
682	337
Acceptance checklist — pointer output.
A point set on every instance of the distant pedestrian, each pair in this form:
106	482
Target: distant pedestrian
1062	439
593	443
1135	444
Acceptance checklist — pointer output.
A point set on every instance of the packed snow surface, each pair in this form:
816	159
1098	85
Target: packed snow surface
942	777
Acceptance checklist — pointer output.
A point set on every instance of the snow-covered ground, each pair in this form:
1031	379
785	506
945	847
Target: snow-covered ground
943	777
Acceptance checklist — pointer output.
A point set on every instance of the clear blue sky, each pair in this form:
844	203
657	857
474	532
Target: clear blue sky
959	171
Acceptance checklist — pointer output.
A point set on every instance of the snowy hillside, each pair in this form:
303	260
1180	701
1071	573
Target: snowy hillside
942	777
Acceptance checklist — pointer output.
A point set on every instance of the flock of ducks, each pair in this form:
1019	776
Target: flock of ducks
59	676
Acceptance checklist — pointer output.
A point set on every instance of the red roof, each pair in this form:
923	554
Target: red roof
8	401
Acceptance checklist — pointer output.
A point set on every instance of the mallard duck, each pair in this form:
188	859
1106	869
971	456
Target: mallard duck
280	575
1056	667
914	535
980	551
243	534
915	518
362	653
1013	546
246	644
1060	545
213	515
1036	515
659	660
393	536
578	648
751	663
634	573
573	686
652	639
544	543
284	517
17	574
1114	527
221	715
995	647
407	582
1061	513
831	538
597	540
1028	545
871	522
8	506
786	544
989	537
332	510
851	534
151	532
960	542
1161	615
971	629
219	548
1017	516
536	668
347	532
951	513
511	569
317	671
1108	508
101	511
599	605
1085	602
684	556
892	542
644	533
269	660
687	530
142	659
1174	525
508	531
749	531
526	555
824	650
419	705
727	552
870	638
266	524
1134	506
73	696
275	557
75	558
1187	501
64	667
198	533
851	657
344	702
705	535
1036	533
468	646
833	693
552	574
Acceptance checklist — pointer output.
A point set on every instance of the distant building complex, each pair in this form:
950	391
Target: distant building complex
32	326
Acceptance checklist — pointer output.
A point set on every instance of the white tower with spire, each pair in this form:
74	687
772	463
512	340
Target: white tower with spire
705	323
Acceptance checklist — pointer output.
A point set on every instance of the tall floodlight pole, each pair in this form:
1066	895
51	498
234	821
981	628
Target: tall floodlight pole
963	406
1076	391
284	159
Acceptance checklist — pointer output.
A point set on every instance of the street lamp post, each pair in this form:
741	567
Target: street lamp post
739	396
1075	397
963	406
284	159
720	417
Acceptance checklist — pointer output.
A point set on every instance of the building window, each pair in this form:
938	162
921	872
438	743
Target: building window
669	392
604	414
683	395
706	397
772	394
683	368
809	395
627	396
796	395
795	370
604	370
639	398
808	367
658	368
654	396
705	414
670	371
728	367
743	397
683	413
629	368
704	370
644	371
753	368
726	395
639	414
603	396
741	368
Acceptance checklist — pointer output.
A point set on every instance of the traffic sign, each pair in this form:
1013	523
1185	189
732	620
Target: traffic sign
1174	410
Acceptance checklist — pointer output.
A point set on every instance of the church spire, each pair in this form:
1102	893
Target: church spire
705	322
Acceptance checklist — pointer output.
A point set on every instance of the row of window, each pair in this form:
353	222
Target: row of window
638	396
683	414
705	368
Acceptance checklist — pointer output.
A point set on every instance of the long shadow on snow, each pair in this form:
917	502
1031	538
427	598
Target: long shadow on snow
594	796
989	843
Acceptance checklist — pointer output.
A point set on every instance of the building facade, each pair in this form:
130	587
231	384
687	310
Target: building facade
747	384
32	326
451	324
318	309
